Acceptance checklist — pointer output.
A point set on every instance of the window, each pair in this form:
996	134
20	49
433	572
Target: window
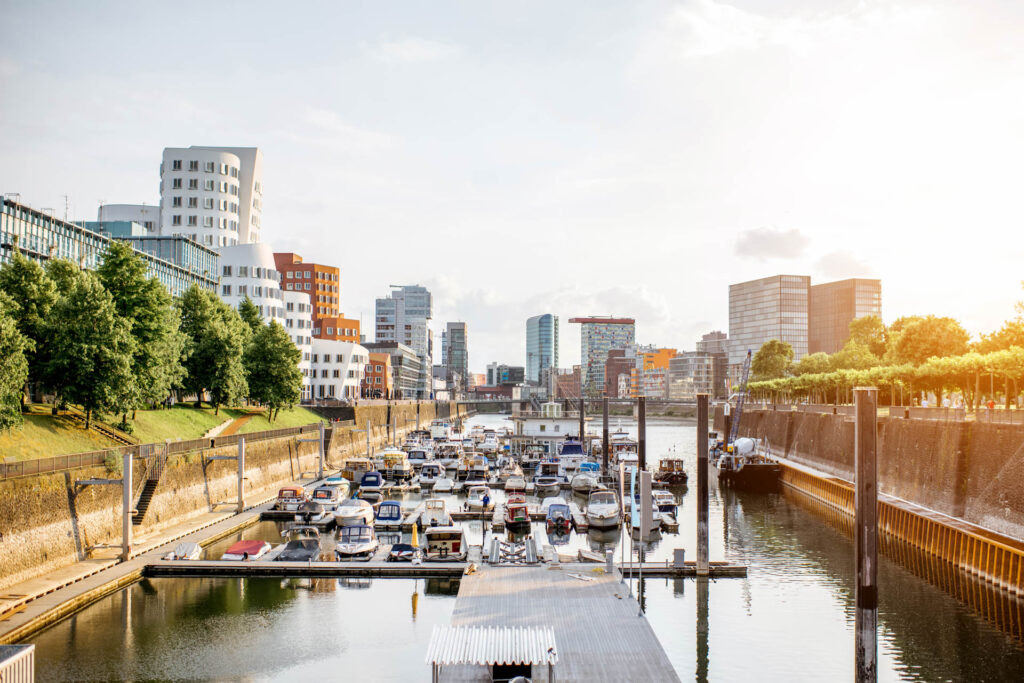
176	183
192	220
226	290
542	428
223	169
330	330
176	202
193	202
227	271
306	286
176	220
288	275
207	221
209	240
209	185
209	166
380	368
376	380
337	373
208	203
323	373
340	358
176	165
308	274
288	286
234	172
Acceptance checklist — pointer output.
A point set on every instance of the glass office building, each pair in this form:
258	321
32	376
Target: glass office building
834	305
598	336
456	353
770	308
42	237
541	345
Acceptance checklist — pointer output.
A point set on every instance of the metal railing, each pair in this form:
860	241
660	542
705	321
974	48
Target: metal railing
17	663
59	463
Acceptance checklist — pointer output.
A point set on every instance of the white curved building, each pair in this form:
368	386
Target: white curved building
146	215
337	369
249	270
298	322
214	195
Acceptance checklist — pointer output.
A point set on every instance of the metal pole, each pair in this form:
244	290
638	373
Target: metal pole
367	437
702	629
604	436
641	428
241	474
702	484
321	474
126	507
866	528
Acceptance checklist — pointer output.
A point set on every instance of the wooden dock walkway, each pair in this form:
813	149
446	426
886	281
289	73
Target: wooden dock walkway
598	633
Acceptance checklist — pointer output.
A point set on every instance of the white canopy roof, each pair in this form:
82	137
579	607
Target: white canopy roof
491	645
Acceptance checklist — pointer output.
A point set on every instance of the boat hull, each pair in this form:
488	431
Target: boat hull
756	477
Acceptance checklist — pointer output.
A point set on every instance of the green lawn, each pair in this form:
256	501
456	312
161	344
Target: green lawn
183	421
296	417
42	436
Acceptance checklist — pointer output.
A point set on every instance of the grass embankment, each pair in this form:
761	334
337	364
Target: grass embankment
183	421
296	417
42	436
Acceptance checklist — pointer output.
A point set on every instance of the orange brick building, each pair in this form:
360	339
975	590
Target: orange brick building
322	283
378	375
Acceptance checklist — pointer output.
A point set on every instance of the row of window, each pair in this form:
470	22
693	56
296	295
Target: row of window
208	222
208	203
208	167
208	186
257	272
299	274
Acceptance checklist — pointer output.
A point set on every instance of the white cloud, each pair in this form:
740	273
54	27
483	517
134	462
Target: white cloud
412	50
771	243
842	264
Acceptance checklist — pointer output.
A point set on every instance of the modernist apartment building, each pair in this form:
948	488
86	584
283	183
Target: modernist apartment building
649	376
773	307
403	317
834	305
146	215
378	375
43	237
298	323
405	368
618	371
337	369
541	345
598	336
249	270
212	194
321	283
455	353
693	372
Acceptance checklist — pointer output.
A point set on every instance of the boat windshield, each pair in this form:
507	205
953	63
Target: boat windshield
355	534
324	494
558	509
288	493
602	498
477	492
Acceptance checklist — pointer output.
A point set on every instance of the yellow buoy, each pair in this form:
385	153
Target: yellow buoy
415	537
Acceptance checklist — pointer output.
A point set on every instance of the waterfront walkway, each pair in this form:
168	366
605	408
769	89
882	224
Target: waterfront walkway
598	632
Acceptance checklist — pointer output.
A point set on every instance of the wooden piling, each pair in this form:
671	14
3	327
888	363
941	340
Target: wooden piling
866	533
702	484
641	428
604	436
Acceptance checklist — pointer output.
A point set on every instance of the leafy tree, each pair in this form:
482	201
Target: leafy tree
1010	334
772	360
813	364
272	368
215	339
63	273
14	369
929	337
154	324
250	314
33	294
90	349
854	356
870	331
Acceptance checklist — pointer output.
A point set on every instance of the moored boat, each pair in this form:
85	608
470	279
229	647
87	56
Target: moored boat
242	551
289	498
747	465
517	513
354	511
353	469
603	509
671	471
303	545
357	542
444	485
444	544
185	551
371	482
435	513
557	516
479	499
515	483
389	514
430	473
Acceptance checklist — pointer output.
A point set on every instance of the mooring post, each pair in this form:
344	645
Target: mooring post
604	436
702	484
241	474
368	428
322	454
583	411
127	505
702	629
641	428
417	415
866	532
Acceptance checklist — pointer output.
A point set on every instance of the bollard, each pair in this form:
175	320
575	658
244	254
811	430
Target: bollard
609	561
866	533
702	484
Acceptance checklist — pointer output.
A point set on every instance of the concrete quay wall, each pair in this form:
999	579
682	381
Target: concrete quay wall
970	470
46	522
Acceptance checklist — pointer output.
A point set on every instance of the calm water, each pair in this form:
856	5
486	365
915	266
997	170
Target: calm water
790	620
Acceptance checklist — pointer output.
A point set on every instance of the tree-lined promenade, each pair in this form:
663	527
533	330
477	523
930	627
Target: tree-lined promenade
114	341
914	354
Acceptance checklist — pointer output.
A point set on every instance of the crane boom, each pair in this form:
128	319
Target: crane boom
740	400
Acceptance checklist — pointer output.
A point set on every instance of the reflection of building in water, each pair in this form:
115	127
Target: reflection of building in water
355	582
442	587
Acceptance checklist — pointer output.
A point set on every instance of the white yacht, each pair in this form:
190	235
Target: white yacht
476	499
435	513
603	509
430	473
354	511
356	542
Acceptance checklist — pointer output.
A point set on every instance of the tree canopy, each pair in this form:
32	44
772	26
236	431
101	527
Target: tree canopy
215	339
32	295
14	368
931	336
870	331
250	314
772	360
272	368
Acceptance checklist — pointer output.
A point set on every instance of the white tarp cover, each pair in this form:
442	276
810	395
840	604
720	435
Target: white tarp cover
491	645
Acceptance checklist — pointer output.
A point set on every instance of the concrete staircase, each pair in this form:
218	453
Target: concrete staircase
149	490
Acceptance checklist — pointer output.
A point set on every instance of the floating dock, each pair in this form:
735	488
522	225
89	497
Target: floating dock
599	635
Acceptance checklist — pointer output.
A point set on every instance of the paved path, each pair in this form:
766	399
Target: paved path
236	424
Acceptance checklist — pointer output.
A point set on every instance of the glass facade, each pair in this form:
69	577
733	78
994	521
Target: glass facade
541	345
598	336
42	237
770	308
834	305
456	352
404	317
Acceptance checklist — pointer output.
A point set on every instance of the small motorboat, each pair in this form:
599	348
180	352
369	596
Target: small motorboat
515	483
435	513
311	512
430	473
547	484
479	468
353	469
389	514
444	544
357	542
517	513
341	483
508	468
303	545
371	482
185	551
403	552
418	457
243	551
557	517
479	499
444	485
329	496
671	471
289	498
397	467
583	482
665	501
354	511
603	509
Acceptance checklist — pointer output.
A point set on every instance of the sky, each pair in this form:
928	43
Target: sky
578	158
